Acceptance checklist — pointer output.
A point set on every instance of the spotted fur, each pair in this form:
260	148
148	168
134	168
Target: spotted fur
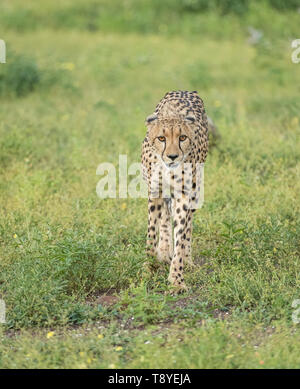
177	133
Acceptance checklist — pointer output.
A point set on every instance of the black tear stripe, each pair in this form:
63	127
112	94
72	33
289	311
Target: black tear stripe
164	148
180	147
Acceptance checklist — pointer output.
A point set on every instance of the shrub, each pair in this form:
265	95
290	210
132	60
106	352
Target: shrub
225	6
284	4
20	76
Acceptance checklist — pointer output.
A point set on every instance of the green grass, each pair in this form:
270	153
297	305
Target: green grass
91	79
211	345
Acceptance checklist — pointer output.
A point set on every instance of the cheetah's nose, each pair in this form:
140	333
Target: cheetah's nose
173	156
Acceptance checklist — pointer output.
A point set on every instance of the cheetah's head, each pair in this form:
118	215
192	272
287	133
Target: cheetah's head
171	138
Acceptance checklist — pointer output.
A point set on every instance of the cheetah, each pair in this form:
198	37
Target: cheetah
176	143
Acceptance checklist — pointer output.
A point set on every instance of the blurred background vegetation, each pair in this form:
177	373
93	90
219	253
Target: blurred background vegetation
146	16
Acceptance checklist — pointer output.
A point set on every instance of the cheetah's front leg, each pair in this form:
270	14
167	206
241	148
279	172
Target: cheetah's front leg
154	207
187	236
182	218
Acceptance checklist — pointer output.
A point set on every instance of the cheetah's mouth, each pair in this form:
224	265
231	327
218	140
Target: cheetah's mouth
172	165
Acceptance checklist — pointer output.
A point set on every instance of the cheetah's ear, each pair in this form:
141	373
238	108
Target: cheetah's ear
151	118
150	123
190	121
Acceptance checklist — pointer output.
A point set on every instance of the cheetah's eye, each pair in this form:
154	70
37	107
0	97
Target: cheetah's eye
162	138
182	138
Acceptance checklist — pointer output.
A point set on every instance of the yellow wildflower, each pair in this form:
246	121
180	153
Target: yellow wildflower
68	66
229	356
295	121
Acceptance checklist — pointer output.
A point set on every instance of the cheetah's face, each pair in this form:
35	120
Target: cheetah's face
171	139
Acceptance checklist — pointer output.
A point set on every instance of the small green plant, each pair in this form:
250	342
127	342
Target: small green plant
142	305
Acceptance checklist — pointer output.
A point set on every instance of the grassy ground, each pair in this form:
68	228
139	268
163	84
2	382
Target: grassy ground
72	264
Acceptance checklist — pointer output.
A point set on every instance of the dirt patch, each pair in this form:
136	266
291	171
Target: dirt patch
104	299
110	300
189	301
107	300
221	315
184	301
